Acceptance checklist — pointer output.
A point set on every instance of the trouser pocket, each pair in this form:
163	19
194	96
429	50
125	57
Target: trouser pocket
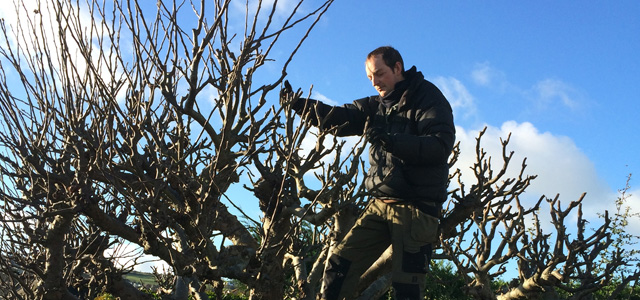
424	230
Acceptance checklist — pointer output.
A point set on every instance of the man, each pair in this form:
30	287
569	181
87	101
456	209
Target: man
410	128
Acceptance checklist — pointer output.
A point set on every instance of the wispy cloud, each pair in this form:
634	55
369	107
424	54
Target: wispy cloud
461	100
554	92
283	8
323	98
483	74
548	94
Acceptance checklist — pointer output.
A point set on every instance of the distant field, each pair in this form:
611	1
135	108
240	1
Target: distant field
145	278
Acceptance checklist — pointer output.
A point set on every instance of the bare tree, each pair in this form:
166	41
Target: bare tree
112	128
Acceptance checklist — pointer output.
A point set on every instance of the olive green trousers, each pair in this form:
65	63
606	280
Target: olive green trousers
408	230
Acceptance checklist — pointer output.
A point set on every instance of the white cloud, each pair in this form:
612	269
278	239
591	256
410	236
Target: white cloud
562	167
633	201
151	262
127	255
462	102
310	141
33	29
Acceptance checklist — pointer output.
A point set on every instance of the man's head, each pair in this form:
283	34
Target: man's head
384	68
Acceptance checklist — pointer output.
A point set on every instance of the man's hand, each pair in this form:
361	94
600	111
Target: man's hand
377	135
286	94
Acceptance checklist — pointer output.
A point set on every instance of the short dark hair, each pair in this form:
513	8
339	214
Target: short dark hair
390	56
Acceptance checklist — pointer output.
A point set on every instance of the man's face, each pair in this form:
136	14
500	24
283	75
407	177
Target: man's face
382	77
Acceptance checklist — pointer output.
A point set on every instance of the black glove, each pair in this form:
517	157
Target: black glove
377	135
286	94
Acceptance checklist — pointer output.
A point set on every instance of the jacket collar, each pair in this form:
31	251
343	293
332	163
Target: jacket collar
402	89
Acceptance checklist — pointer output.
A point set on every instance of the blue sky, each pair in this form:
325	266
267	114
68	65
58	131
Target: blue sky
562	76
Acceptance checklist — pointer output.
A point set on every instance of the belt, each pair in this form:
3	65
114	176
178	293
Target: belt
391	201
429	208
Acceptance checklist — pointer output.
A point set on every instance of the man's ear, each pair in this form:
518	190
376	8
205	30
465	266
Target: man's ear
398	68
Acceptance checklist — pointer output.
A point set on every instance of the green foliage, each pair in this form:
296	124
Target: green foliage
605	293
163	277
623	240
151	293
212	296
237	289
499	286
105	296
443	283
626	294
387	296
